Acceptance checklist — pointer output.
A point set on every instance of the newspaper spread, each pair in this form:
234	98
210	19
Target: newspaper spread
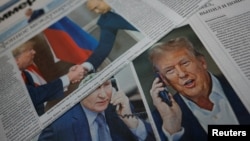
216	25
226	26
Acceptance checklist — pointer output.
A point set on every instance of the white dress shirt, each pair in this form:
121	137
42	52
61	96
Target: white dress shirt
221	114
140	131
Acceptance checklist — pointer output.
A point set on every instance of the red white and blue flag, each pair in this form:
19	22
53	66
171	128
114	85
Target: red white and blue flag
69	41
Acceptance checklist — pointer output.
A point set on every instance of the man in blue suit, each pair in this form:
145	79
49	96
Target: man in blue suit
79	123
202	99
110	23
39	90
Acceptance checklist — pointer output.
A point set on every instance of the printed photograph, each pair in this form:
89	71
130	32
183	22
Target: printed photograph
185	89
85	41
116	104
16	15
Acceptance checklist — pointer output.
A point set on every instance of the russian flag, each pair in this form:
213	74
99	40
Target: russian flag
70	42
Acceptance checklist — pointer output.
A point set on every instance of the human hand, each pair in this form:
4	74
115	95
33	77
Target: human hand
171	116
76	73
121	101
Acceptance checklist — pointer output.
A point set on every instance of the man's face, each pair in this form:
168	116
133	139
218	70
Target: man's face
98	100
184	72
28	12
98	6
25	59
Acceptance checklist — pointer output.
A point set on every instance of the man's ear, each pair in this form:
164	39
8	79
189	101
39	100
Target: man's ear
203	62
163	78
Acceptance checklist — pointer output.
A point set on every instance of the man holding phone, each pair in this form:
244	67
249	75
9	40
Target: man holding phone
80	122
202	98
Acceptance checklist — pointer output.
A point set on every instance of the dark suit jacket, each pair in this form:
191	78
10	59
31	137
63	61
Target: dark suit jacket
40	94
73	126
193	129
109	24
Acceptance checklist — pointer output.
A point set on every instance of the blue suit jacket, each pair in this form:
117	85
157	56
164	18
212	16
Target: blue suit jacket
73	126
193	129
36	14
109	24
40	94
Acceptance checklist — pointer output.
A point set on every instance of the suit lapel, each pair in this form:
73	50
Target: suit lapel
239	109
27	78
190	122
112	122
80	125
118	130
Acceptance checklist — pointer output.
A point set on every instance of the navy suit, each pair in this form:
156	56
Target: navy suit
109	24
73	126
193	129
40	94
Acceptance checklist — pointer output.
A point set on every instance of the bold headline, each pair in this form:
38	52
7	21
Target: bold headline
16	9
220	7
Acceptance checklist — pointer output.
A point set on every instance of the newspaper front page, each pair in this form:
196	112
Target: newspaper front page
19	120
153	19
219	31
226	28
15	24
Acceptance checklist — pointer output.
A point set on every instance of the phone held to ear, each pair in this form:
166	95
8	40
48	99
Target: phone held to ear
142	114
115	89
164	94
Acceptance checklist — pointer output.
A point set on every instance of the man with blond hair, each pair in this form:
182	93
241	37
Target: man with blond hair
41	91
202	98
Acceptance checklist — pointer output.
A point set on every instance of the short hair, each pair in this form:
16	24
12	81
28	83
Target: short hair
20	49
178	43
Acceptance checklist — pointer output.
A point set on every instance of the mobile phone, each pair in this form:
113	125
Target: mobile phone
164	94
114	83
115	89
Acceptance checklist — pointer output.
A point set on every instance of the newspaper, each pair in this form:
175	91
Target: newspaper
19	120
153	19
156	19
226	26
14	23
218	30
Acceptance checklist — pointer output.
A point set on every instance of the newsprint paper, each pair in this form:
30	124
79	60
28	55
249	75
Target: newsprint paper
221	27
